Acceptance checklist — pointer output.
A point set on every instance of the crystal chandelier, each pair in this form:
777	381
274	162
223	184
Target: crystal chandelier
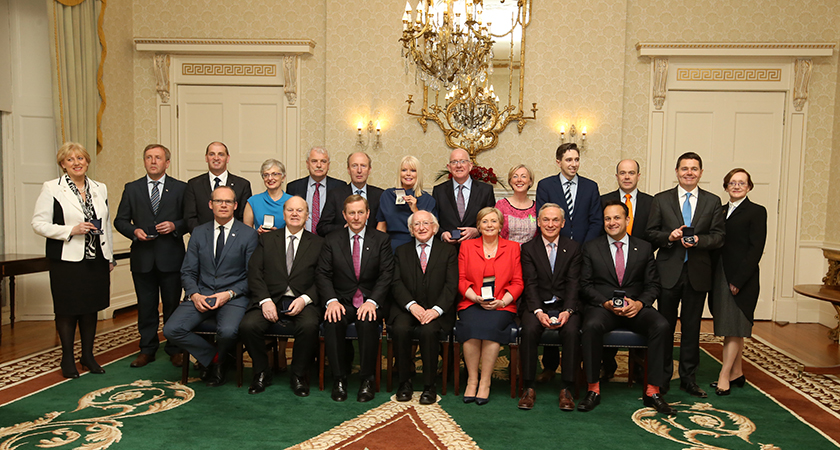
447	43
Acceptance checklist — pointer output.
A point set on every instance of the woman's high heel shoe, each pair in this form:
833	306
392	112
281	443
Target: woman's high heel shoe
721	392
68	369
469	399
740	381
481	401
93	367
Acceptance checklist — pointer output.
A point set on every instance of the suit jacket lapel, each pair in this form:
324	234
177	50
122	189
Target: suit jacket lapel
69	195
231	238
632	261
449	190
606	255
347	249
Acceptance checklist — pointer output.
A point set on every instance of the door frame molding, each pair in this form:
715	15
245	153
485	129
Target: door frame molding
781	67
240	62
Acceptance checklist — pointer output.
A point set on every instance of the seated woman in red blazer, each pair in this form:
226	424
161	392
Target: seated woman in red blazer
483	319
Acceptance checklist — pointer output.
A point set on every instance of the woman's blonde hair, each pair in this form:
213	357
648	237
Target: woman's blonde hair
517	167
410	162
67	149
486	211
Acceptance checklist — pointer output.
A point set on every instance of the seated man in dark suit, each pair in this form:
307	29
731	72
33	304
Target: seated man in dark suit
359	167
316	186
199	187
424	287
627	174
611	264
550	268
281	277
354	276
214	281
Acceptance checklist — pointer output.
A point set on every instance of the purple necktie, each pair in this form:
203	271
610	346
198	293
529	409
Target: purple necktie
358	298
316	207
423	260
619	261
460	202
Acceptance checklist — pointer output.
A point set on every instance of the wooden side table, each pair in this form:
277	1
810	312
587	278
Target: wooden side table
829	291
12	264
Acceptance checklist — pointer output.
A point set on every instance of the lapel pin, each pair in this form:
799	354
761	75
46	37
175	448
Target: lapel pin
564	250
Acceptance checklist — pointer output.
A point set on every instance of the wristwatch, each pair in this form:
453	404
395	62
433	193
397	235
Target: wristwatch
569	310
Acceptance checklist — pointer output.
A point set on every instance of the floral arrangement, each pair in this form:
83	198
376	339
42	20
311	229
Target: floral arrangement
479	173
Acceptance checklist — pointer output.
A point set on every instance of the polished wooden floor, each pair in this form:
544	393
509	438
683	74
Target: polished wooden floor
806	342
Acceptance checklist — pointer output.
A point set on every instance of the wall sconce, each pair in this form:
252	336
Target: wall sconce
362	141
573	136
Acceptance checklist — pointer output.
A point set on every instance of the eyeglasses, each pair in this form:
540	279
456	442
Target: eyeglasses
223	202
425	223
271	175
737	184
460	162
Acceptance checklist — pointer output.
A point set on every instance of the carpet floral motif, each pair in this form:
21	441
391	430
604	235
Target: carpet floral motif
695	422
96	422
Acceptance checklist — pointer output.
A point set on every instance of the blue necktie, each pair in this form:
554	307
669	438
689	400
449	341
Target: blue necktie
552	257
686	211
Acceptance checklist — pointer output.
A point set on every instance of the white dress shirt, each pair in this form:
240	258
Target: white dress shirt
467	189
149	184
306	299
692	201
222	177
732	206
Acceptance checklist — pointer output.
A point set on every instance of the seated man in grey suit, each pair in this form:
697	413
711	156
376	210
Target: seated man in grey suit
619	282
213	277
424	287
551	270
354	277
281	276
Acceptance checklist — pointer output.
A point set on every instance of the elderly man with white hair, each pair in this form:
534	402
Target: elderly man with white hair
424	287
314	188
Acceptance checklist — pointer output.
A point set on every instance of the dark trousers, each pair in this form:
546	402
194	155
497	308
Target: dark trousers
532	331
153	288
334	335
401	329
648	322
305	327
690	316
178	330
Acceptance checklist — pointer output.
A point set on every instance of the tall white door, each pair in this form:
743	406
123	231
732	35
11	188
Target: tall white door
248	119
729	130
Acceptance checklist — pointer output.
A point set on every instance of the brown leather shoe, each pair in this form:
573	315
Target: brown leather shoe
566	401
528	398
545	376
177	359
142	359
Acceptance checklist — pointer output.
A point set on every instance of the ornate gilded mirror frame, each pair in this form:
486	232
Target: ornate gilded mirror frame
472	112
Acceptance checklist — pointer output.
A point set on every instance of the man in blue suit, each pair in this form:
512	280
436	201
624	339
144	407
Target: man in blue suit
581	203
215	281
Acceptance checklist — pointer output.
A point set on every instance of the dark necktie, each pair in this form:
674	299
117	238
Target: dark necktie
570	202
220	243
218	181
290	255
358	298
155	196
619	261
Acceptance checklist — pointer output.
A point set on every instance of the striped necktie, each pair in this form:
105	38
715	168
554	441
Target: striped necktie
569	200
155	196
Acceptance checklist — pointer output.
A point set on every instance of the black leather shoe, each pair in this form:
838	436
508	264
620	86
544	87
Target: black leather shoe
216	375
721	392
261	381
429	395
68	369
366	391
339	390
589	402
659	404
740	381
299	386
694	389
404	392
92	366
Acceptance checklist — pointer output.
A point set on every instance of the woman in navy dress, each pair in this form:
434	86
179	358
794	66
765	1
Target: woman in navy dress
392	217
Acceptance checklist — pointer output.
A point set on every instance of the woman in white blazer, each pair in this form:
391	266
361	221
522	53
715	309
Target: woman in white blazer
72	213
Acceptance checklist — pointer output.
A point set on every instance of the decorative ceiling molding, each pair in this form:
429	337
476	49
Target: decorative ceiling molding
798	49
225	46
